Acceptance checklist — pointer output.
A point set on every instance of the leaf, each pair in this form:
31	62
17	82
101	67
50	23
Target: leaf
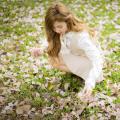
22	109
48	110
2	100
66	85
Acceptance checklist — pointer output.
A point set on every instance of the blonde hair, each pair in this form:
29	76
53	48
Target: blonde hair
59	12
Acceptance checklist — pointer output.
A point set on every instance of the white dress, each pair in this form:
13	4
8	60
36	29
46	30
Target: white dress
82	56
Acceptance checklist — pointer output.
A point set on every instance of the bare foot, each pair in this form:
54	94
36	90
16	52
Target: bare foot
100	79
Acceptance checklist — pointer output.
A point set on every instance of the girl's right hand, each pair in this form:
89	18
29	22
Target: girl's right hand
35	52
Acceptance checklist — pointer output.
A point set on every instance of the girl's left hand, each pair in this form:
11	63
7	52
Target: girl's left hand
35	52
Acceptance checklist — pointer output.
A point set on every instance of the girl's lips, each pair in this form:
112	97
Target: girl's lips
62	33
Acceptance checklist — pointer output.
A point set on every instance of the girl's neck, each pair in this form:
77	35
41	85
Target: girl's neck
61	35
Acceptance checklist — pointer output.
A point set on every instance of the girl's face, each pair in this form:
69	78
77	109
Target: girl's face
60	27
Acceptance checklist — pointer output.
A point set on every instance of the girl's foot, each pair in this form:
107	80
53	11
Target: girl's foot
100	80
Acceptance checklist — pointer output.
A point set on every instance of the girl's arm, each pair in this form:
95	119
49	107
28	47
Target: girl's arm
94	55
57	63
63	68
54	61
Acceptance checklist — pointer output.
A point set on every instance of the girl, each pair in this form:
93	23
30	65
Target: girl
71	46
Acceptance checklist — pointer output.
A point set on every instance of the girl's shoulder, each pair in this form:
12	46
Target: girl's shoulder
76	34
82	37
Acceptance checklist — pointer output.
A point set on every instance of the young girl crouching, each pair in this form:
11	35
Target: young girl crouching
72	46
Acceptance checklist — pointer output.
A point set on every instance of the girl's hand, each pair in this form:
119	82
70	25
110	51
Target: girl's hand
85	95
35	52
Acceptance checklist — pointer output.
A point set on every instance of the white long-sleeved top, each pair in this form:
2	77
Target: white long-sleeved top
83	42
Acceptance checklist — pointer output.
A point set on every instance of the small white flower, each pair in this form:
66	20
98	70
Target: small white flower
35	68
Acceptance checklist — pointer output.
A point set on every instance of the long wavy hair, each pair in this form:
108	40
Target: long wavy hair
59	12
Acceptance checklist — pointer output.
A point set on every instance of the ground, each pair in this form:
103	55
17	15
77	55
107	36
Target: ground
32	91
